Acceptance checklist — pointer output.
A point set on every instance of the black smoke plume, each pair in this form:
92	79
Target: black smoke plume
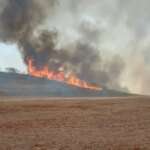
21	22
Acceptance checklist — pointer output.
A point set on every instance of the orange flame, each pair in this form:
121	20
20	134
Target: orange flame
71	79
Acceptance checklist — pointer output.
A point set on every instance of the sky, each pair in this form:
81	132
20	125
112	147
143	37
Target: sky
6	59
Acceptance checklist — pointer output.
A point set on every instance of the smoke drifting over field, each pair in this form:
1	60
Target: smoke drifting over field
106	42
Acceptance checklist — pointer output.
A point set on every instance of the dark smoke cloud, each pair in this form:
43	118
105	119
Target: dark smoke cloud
89	62
20	23
19	18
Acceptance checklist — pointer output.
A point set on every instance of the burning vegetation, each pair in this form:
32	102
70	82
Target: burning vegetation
71	79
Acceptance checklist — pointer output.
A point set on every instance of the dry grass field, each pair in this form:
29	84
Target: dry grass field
75	124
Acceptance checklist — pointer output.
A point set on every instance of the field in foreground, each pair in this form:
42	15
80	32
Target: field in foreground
98	124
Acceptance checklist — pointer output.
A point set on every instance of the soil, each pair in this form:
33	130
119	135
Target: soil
75	124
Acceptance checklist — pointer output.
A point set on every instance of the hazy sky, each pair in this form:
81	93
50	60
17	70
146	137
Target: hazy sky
123	28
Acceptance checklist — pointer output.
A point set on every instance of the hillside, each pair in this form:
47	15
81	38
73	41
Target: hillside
12	84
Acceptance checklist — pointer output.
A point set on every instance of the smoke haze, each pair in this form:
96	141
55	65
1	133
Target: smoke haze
105	42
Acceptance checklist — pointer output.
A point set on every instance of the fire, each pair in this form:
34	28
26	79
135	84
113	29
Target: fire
71	79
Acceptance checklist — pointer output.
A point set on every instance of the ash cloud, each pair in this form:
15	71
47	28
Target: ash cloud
94	39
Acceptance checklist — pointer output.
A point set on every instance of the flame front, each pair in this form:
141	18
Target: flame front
71	79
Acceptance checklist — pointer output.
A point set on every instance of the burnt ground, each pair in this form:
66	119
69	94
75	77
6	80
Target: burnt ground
98	124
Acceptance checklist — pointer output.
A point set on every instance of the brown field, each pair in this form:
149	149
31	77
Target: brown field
71	124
